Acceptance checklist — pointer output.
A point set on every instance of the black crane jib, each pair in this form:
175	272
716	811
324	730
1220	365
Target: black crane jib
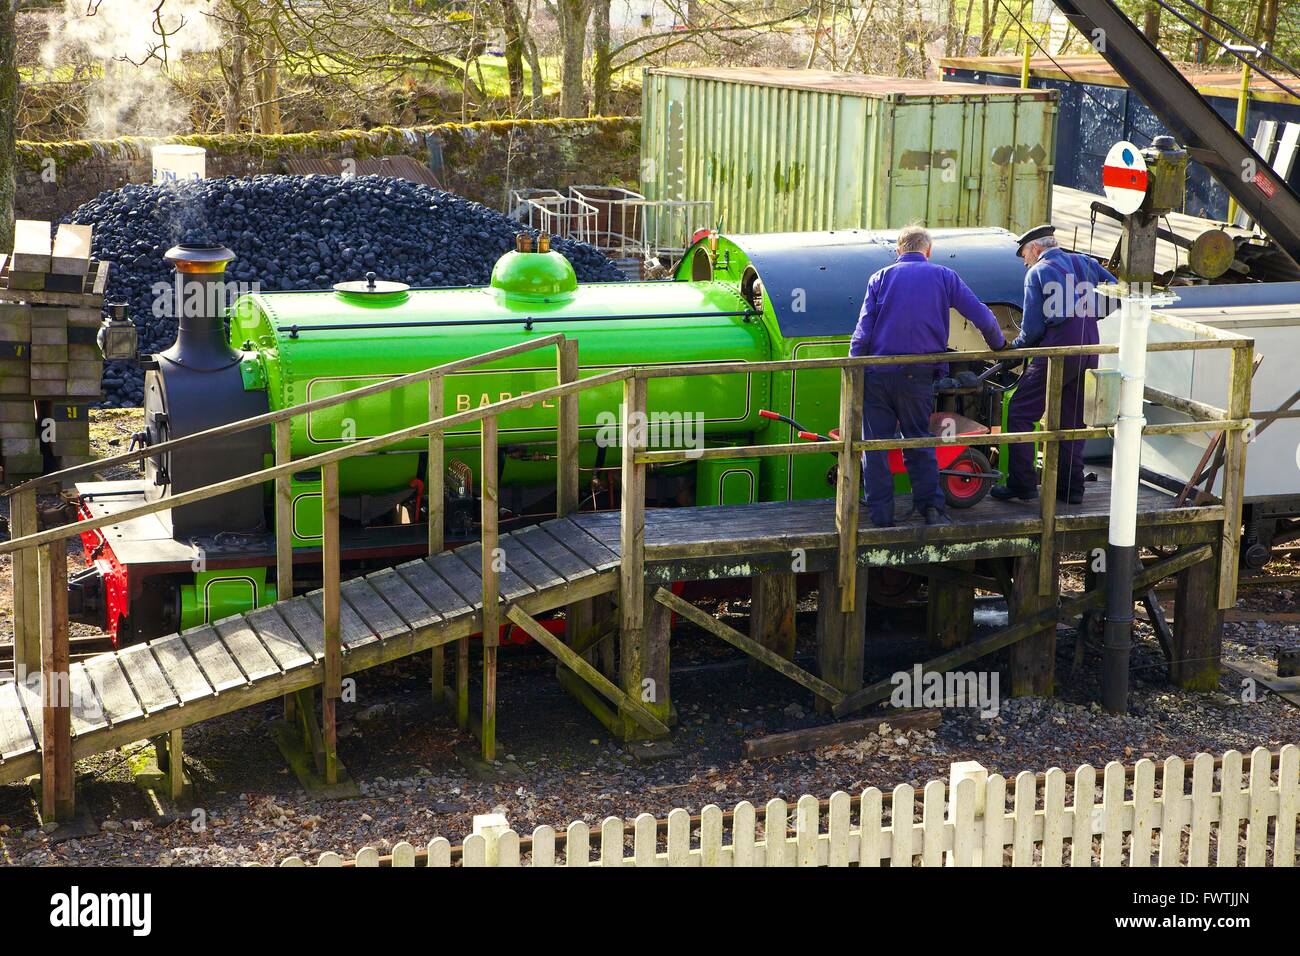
1209	139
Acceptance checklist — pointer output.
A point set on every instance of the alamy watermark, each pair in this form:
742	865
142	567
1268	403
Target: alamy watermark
676	430
921	688
177	298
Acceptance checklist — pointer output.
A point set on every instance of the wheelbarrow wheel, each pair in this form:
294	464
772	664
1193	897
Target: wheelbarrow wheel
968	486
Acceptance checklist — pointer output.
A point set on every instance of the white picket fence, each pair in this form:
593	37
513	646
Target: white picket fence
1134	824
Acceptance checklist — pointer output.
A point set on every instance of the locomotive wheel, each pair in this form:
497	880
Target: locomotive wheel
961	491
890	587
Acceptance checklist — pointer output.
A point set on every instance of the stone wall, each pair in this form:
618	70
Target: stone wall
481	161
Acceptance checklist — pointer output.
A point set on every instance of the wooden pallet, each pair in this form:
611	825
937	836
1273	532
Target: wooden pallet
91	295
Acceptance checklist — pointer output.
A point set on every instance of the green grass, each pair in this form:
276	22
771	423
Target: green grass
40	73
495	80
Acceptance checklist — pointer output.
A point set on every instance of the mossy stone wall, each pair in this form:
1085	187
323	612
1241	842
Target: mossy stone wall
481	161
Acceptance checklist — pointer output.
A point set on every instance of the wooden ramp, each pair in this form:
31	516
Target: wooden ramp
149	689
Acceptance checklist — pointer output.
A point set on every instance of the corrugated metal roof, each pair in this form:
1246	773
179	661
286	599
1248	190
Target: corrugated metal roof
1092	68
854	84
399	167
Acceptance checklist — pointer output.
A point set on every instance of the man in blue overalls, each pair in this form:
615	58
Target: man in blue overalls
1061	308
905	312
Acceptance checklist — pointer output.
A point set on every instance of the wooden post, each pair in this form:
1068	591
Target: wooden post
654	692
1047	583
771	614
602	607
58	801
493	565
26	587
631	593
950	611
848	486
841	637
283	515
578	617
284	529
434	496
437	469
1198	628
1234	476
1092	621
462	683
1033	660
175	765
566	460
332	688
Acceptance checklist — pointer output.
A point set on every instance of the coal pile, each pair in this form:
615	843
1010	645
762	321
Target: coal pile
295	233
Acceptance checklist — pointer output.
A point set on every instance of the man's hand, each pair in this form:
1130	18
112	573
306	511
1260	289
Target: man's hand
1010	361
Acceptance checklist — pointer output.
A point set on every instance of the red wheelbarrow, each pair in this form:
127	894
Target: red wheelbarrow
964	472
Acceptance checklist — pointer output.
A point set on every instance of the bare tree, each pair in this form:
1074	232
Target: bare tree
573	17
513	32
602	68
9	80
710	29
1151	21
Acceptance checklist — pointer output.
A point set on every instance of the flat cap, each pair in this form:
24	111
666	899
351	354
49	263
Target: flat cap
1038	232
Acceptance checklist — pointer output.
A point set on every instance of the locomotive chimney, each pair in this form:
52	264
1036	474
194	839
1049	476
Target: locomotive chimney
200	303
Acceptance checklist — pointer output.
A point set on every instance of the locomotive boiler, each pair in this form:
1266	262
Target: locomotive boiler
734	299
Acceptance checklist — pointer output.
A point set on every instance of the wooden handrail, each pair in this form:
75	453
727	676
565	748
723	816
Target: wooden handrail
724	452
474	415
318	460
1190	407
286	414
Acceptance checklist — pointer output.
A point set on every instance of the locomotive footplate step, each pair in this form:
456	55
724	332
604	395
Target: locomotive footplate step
148	542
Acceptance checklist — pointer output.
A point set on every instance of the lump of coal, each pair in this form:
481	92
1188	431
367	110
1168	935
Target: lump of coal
296	233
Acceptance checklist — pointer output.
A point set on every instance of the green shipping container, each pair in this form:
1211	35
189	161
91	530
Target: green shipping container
793	150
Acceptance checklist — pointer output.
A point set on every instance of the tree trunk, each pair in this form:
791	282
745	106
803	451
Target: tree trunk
8	119
1269	32
539	82
1201	42
986	27
1257	28
235	75
573	18
1151	22
269	90
900	28
514	51
602	70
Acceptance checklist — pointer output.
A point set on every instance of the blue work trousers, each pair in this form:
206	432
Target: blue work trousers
899	402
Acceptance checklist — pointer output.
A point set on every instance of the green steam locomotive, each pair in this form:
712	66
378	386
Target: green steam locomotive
734	299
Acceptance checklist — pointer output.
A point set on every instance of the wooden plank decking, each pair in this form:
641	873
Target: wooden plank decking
217	668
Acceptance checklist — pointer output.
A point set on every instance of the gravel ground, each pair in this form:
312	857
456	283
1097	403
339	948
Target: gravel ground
401	752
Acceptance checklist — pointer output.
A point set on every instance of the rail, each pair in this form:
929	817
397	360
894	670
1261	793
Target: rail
40	558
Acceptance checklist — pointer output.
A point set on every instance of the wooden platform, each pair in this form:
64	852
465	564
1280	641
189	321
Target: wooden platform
149	689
